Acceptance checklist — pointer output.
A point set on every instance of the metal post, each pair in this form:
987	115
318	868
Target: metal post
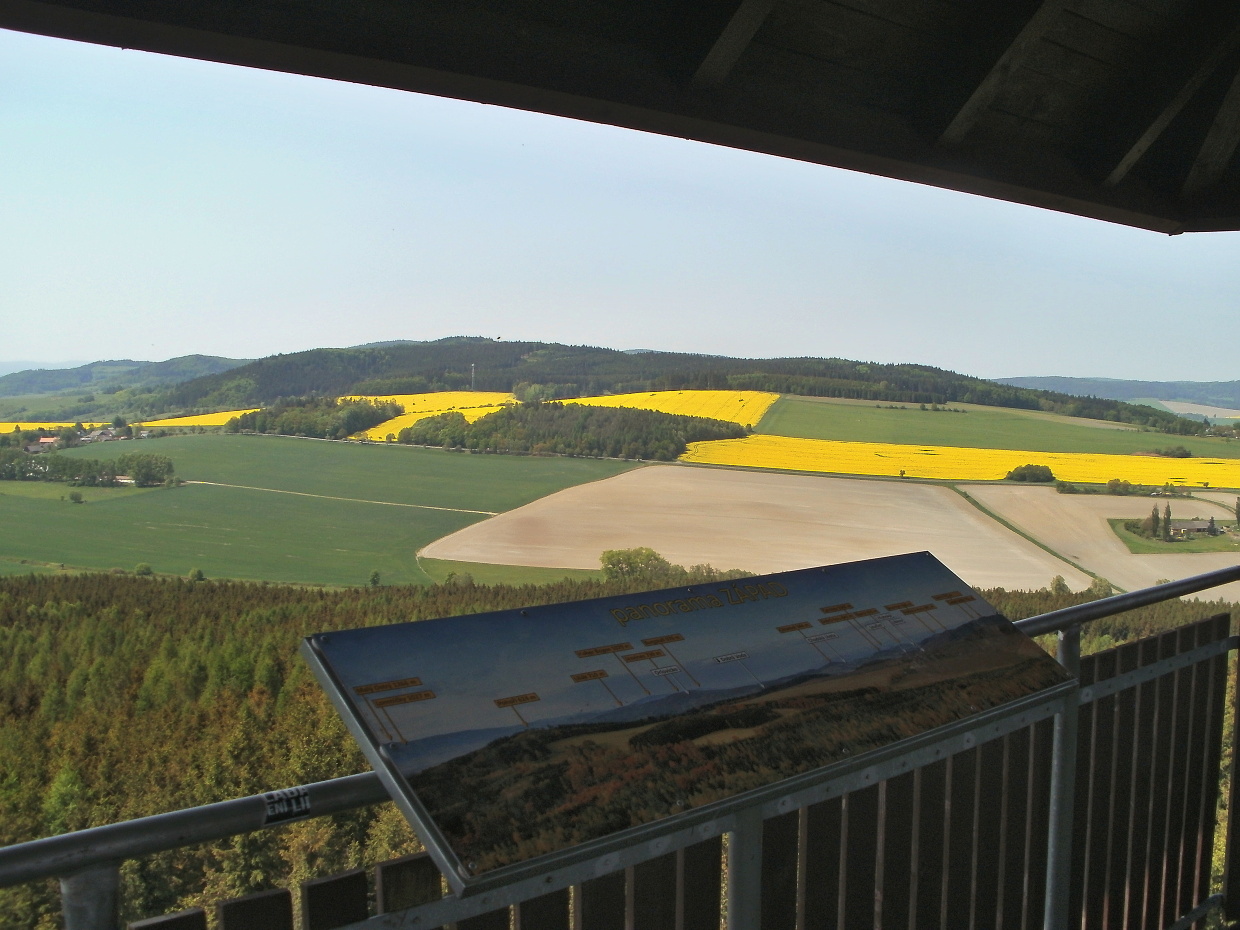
88	899
1063	791
1231	864
745	871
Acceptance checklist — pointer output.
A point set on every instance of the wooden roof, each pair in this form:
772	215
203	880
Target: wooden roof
1122	110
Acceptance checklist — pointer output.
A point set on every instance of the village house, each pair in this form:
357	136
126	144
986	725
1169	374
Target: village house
1183	529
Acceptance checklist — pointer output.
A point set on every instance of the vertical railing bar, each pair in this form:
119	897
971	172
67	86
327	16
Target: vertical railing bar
975	837
1161	740
802	865
915	853
1205	845
1126	860
1189	757
945	869
1004	814
1112	778
1087	771
841	904
89	899
1155	730
1142	774
880	852
745	871
1027	857
1063	781
1170	788
1231	862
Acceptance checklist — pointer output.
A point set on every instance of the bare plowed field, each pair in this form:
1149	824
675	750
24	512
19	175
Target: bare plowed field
757	521
1075	525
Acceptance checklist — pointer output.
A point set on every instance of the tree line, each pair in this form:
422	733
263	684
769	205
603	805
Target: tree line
571	429
315	417
142	468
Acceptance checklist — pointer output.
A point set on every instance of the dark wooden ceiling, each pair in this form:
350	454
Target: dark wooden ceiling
1122	110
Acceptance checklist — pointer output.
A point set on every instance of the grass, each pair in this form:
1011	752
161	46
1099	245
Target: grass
370	471
978	427
56	491
24	567
1140	545
236	532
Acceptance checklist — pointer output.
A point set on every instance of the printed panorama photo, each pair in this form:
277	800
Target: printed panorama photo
524	732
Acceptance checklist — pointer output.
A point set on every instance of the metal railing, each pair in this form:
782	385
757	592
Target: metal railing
804	823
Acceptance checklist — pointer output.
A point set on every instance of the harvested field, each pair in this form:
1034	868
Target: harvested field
758	521
1075	525
1202	410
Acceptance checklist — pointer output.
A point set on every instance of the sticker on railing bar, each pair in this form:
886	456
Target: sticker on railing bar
286	804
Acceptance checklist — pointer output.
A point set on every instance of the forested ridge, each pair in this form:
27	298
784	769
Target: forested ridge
123	696
571	429
548	371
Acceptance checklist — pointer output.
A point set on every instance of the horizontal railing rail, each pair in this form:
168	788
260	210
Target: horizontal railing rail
68	853
100	848
1058	620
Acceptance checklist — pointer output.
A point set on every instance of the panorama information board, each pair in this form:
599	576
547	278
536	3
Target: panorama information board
510	735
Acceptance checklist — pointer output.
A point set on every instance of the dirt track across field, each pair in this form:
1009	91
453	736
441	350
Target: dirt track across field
758	521
1075	526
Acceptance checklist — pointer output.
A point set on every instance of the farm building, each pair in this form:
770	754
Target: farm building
1184	528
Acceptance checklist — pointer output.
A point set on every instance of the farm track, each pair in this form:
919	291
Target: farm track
351	500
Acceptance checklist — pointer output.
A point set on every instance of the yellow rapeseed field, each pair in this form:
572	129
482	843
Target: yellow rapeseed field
744	407
472	404
202	419
44	425
955	463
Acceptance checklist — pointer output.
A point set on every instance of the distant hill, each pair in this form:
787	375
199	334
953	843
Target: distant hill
1209	393
114	373
552	370
12	365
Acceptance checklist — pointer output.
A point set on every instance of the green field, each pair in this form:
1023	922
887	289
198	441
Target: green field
353	509
978	427
1140	545
18	567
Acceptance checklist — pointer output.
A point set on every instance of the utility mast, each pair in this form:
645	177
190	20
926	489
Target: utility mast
472	381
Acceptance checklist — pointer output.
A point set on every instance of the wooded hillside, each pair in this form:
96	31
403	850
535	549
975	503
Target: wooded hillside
547	371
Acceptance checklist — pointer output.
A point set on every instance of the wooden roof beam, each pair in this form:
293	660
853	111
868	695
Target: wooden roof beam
1173	108
1012	58
732	42
1220	143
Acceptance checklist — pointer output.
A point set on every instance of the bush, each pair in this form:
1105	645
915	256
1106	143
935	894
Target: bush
1031	473
143	569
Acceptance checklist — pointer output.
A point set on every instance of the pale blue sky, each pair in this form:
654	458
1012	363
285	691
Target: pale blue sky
155	207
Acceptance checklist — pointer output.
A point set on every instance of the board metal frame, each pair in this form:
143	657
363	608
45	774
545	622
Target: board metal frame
602	855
